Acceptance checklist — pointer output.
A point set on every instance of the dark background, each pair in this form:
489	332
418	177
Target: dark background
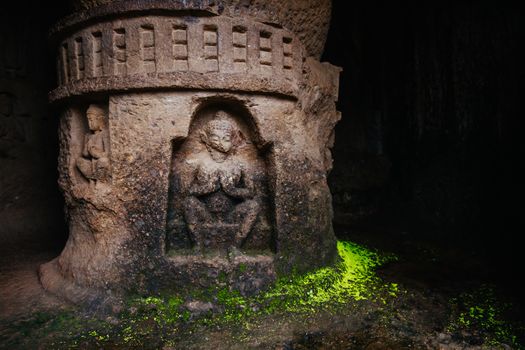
428	148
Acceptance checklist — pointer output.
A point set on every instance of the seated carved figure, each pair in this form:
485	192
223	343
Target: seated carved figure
94	162
219	207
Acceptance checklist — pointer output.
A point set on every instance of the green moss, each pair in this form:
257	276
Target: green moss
353	279
482	312
156	320
222	278
242	268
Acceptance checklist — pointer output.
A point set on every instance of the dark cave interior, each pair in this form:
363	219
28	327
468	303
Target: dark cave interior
428	151
429	141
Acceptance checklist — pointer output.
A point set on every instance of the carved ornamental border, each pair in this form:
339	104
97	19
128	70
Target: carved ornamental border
179	52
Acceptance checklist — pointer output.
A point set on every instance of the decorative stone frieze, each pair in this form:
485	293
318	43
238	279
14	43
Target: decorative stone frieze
158	52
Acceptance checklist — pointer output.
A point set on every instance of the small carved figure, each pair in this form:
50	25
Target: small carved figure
220	198
94	162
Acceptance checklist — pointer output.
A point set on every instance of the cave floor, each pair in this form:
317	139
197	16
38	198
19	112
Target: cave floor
448	298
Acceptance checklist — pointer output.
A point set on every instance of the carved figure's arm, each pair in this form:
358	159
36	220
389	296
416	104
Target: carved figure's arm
200	188
95	150
239	192
85	151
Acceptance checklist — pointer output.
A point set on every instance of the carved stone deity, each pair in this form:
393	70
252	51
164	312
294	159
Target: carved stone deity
220	208
94	162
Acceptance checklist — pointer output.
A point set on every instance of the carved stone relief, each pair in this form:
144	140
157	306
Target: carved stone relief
219	131
94	163
129	47
221	179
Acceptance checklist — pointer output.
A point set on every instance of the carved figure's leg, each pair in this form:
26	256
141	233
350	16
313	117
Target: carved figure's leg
195	214
246	213
85	167
101	171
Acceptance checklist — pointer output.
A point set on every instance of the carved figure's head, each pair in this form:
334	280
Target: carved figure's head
219	133
96	116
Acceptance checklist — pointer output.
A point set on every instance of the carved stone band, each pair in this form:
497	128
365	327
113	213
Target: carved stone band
179	52
178	81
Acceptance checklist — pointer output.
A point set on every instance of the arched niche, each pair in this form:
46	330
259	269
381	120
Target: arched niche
219	198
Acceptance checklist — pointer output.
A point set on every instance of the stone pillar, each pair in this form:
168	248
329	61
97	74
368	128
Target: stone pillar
194	146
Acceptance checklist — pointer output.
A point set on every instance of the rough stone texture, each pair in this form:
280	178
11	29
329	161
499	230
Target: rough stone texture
215	178
308	19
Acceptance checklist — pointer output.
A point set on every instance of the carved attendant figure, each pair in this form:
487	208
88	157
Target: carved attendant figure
94	162
221	193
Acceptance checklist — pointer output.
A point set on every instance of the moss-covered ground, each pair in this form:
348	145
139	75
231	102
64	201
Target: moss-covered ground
344	306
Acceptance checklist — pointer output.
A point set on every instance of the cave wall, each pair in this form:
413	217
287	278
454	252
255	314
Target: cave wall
429	134
30	203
